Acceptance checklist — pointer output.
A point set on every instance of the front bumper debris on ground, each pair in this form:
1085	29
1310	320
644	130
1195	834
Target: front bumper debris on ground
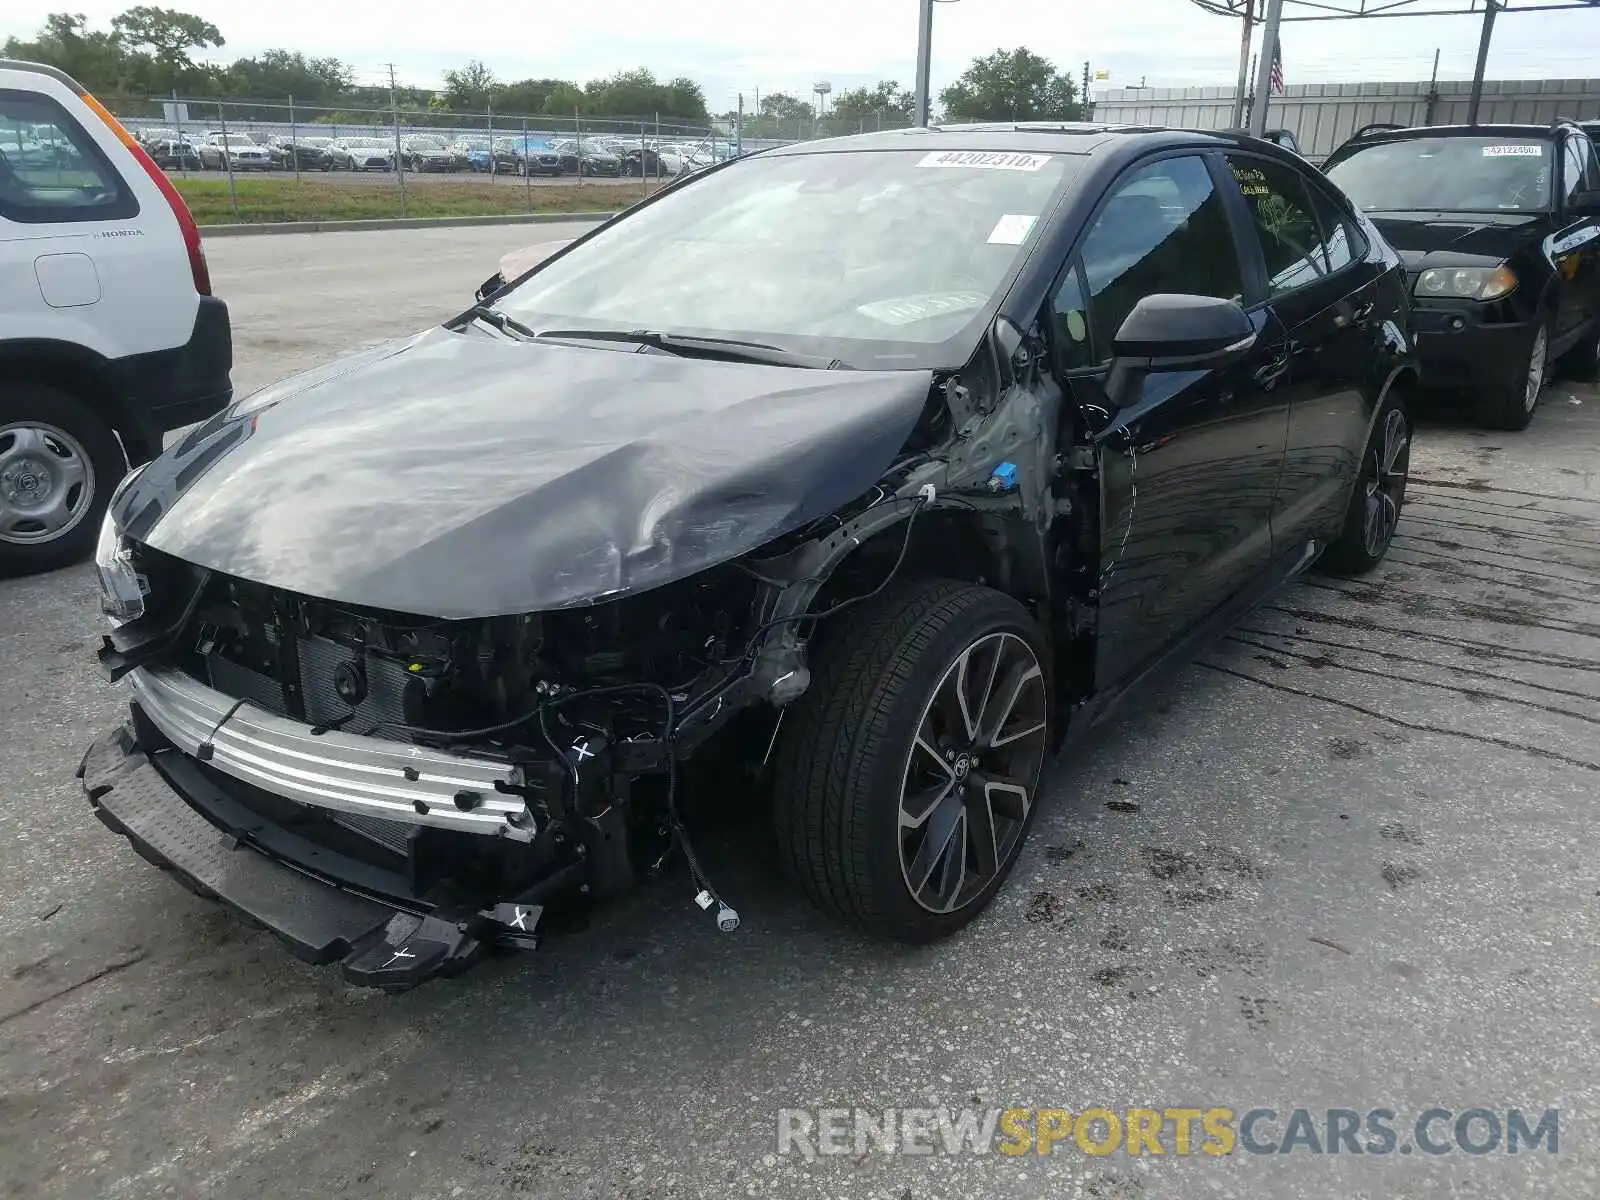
179	816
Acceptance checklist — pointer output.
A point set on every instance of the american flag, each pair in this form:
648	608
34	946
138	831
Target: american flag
1277	67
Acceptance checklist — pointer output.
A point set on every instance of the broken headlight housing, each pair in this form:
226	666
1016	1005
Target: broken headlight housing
122	587
1466	283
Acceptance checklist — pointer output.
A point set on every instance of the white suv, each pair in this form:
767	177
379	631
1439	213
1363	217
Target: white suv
109	334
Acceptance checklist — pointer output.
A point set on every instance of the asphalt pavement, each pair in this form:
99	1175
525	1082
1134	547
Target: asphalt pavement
1347	861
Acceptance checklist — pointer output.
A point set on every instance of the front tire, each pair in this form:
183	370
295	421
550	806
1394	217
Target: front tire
907	776
59	463
1380	493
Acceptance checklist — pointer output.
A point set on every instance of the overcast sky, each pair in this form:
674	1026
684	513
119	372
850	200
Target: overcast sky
739	45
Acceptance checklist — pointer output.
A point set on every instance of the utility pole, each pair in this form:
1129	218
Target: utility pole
1249	100
919	114
1269	42
1489	9
394	113
1433	91
1084	100
1240	111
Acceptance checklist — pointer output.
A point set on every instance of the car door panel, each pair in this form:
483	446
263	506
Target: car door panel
1326	297
1189	465
1188	476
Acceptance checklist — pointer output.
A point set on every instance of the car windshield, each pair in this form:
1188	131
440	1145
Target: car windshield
1449	174
880	258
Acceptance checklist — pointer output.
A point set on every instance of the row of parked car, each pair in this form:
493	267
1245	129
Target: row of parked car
519	154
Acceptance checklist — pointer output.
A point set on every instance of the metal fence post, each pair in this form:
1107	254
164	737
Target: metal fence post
658	149
527	165
577	134
488	126
294	140
227	161
177	121
644	178
399	166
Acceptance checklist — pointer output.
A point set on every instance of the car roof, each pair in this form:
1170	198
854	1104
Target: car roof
1412	132
1040	137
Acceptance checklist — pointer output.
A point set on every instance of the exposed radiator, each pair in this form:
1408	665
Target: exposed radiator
384	683
229	678
390	834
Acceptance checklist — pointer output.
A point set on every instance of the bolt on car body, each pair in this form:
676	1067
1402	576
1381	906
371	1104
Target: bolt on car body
872	471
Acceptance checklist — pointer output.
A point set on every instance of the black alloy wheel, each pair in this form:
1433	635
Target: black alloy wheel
907	776
1380	494
970	772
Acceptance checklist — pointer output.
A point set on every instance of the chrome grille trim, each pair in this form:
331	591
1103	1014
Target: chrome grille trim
341	772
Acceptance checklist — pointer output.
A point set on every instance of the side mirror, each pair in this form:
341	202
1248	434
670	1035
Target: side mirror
489	287
1169	332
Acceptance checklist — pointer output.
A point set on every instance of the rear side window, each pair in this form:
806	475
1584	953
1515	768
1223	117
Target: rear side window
1285	226
1163	229
51	171
1342	242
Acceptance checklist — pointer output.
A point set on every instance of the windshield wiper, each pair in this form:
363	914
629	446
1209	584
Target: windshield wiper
691	346
504	322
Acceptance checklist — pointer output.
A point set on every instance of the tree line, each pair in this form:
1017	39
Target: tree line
150	52
1007	85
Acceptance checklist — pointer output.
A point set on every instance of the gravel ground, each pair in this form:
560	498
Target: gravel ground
1344	862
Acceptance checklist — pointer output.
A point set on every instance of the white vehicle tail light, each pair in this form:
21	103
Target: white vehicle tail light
180	209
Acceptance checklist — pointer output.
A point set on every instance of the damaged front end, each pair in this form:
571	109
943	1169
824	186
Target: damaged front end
396	788
453	775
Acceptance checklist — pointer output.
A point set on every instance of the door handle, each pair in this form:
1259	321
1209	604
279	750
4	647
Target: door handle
1273	370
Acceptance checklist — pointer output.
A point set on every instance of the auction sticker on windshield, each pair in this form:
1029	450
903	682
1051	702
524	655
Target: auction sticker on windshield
984	160
1513	151
1011	229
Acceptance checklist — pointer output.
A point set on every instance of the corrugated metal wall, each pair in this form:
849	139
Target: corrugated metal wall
1323	114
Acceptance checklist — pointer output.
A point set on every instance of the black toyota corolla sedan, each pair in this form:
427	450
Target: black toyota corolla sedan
864	473
1499	229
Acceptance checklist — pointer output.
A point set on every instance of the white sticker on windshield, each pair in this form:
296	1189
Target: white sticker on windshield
984	160
904	310
1510	151
1010	230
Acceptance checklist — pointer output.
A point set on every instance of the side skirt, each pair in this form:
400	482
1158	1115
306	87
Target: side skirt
1103	705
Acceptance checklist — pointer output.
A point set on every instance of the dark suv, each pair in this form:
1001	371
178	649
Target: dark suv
1497	226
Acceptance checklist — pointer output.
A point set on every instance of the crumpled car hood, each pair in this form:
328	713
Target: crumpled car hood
467	475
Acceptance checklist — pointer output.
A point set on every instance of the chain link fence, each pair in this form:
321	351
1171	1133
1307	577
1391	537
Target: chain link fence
257	161
266	161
